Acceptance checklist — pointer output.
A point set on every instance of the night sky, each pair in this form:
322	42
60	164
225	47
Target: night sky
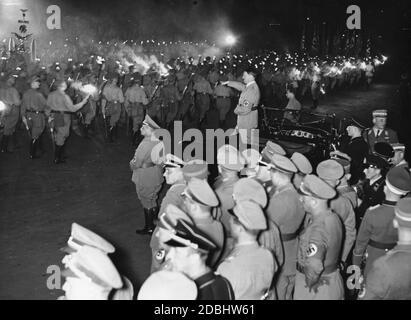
259	23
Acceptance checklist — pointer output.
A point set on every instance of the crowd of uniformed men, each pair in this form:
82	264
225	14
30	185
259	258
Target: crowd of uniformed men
49	101
272	226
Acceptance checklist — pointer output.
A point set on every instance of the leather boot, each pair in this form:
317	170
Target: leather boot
40	144
111	134
5	144
86	127
148	223
15	141
58	155
33	147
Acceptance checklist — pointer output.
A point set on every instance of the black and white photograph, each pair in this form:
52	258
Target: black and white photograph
205	150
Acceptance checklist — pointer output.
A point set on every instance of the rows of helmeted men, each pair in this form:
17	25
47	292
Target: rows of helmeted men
270	227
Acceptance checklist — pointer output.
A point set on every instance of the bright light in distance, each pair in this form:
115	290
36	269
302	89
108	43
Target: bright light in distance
230	40
2	106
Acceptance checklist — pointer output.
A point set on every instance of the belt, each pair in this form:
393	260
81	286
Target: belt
288	236
65	112
380	245
113	102
202	93
147	165
34	111
223	97
327	270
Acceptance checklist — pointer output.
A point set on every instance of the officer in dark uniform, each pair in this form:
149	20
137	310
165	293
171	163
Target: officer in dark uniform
371	191
389	277
376	234
379	132
356	150
189	249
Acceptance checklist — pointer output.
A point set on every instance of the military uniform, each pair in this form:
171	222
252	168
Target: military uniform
320	243
61	107
287	212
169	99
223	101
134	101
376	234
387	135
148	174
168	285
11	98
372	195
202	97
249	267
184	234
112	99
32	108
389	277
158	250
250	270
246	110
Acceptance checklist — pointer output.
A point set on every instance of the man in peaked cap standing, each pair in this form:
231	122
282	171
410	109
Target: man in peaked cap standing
263	170
189	250
148	173
389	277
174	177
320	245
249	189
356	151
246	110
249	267
32	112
379	132
371	193
286	211
377	234
90	275
199	199
230	162
331	172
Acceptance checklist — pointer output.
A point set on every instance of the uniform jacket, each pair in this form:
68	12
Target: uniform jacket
249	98
390	276
250	270
320	246
33	100
287	212
342	206
387	135
376	226
214	287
